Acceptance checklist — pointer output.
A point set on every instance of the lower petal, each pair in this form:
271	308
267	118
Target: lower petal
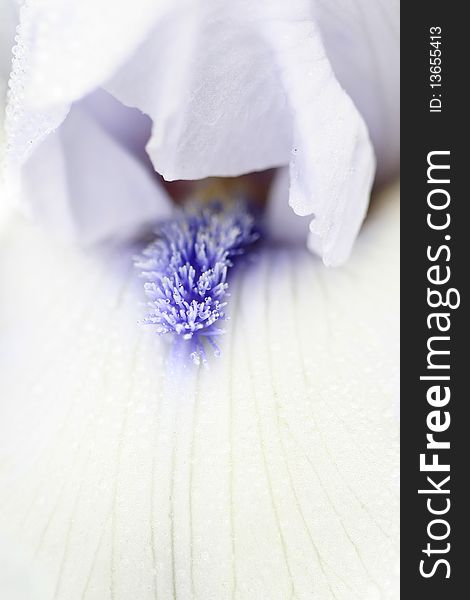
269	475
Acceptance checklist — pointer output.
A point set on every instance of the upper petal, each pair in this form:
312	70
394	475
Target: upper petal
209	82
86	181
332	162
362	43
75	46
64	49
230	89
8	22
235	91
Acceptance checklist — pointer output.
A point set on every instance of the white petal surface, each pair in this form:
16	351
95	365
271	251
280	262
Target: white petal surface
362	43
64	50
209	83
270	475
8	22
87	182
74	46
332	166
237	89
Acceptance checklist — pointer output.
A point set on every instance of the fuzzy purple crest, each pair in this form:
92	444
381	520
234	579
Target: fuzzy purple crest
185	269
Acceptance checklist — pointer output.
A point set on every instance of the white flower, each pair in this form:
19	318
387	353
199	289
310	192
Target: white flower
271	474
231	87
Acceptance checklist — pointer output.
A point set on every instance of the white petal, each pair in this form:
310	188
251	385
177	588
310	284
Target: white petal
362	42
271	476
230	90
332	165
8	22
64	50
74	46
236	91
209	83
19	579
86	184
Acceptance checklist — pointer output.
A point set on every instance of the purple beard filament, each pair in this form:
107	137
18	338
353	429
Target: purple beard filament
185	271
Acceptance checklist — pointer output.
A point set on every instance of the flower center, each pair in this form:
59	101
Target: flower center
185	269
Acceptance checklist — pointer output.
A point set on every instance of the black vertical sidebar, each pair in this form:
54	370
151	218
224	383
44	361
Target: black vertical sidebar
422	132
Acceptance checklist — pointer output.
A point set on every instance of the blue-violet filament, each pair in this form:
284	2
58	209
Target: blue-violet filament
185	270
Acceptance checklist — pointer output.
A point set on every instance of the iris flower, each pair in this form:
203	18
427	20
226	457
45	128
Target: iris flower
272	473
